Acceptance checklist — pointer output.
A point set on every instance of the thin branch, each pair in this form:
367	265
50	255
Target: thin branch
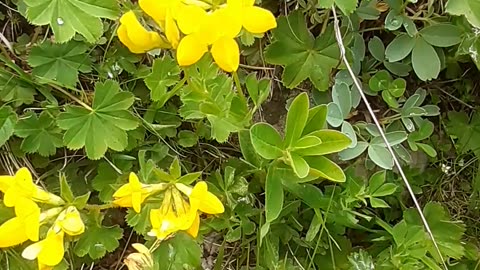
338	36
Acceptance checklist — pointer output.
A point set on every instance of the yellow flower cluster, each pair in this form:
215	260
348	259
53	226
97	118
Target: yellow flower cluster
21	193
180	208
194	27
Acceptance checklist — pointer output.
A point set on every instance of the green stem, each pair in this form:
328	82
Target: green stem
86	106
239	87
177	87
99	207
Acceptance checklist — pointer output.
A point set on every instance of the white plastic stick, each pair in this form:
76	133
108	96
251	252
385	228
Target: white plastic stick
338	36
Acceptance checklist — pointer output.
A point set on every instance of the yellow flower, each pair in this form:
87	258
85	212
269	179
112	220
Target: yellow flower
49	252
24	226
137	39
201	200
203	29
70	221
163	13
218	29
21	186
132	194
254	19
175	214
141	260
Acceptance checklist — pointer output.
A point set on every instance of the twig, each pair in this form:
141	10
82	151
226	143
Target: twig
338	36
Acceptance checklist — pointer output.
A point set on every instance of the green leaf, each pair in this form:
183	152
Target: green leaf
188	178
187	138
97	241
67	17
308	193
303	56
342	97
266	141
299	165
317	117
175	169
469	8
380	156
394	20
273	195
346	6
376	181
332	141
399	48
447	233
248	151
424	131
398	68
105	181
60	62
40	134
8	119
397	87
378	203
165	73
334	116
65	190
80	201
140	222
389	99
314	228
425	60
102	127
257	90
376	48
348	130
385	190
296	119
441	35
428	149
380	81
325	168
15	90
354	152
178	253
306	142
233	235
393	138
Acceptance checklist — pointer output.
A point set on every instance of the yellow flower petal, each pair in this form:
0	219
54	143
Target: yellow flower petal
29	212
134	181
204	200
171	30
137	201
5	182
155	8
123	37
135	36
191	18
124	190
193	230
226	54
258	20
48	251
12	233
190	50
71	222
228	22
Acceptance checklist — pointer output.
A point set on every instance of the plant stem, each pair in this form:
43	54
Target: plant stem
100	207
86	106
239	87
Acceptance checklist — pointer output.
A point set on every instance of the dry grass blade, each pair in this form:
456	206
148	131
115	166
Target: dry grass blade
338	36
